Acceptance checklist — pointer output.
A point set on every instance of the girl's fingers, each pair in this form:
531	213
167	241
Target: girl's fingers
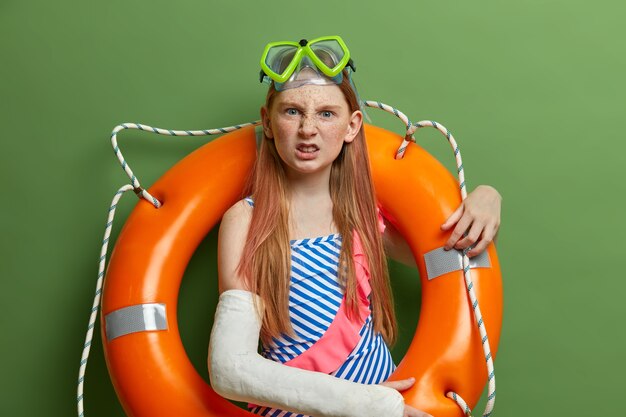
400	385
483	203
414	412
460	228
472	237
454	217
488	236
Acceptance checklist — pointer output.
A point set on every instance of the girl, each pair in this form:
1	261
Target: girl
302	260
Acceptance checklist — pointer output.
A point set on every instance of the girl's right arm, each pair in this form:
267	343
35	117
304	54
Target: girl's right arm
238	372
231	240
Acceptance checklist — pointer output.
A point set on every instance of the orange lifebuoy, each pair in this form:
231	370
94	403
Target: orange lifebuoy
144	353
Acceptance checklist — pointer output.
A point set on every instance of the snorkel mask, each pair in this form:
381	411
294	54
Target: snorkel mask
294	64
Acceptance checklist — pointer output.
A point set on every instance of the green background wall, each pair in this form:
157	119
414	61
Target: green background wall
532	89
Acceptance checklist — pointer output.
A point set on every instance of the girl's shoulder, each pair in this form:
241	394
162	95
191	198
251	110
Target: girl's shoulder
239	214
231	240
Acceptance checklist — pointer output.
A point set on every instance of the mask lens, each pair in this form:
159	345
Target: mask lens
330	52
279	57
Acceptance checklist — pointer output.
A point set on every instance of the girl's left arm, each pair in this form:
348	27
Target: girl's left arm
396	247
478	215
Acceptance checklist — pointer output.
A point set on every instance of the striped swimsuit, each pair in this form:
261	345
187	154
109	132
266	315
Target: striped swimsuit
325	339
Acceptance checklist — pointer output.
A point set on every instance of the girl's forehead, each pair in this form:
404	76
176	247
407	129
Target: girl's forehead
312	95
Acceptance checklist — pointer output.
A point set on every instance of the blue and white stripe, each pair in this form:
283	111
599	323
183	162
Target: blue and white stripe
314	295
370	362
314	299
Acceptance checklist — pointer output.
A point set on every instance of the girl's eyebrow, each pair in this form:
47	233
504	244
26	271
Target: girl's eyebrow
299	105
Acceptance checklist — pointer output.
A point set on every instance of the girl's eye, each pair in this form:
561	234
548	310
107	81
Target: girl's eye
327	114
292	112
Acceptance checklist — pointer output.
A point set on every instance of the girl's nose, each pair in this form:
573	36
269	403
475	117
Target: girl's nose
308	126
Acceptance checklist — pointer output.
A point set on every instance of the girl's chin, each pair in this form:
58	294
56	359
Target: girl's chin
303	168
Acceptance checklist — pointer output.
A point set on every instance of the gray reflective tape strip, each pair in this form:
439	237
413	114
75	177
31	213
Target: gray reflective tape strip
441	261
137	318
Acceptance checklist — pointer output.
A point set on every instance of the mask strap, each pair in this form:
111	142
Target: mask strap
362	104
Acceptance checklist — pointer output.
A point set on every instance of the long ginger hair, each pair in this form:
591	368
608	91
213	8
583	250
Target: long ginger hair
266	258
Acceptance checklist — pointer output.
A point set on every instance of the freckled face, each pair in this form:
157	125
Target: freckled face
309	126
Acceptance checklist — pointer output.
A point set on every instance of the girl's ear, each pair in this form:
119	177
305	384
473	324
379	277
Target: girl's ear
354	126
265	118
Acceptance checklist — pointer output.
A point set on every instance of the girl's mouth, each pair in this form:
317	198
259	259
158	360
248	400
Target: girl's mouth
307	151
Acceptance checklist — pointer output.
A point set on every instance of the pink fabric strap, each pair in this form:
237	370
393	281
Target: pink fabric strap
333	348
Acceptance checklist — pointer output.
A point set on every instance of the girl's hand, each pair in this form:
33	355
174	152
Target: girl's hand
403	385
479	216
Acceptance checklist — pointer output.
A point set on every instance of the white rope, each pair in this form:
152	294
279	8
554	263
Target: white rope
142	193
469	285
133	179
96	298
